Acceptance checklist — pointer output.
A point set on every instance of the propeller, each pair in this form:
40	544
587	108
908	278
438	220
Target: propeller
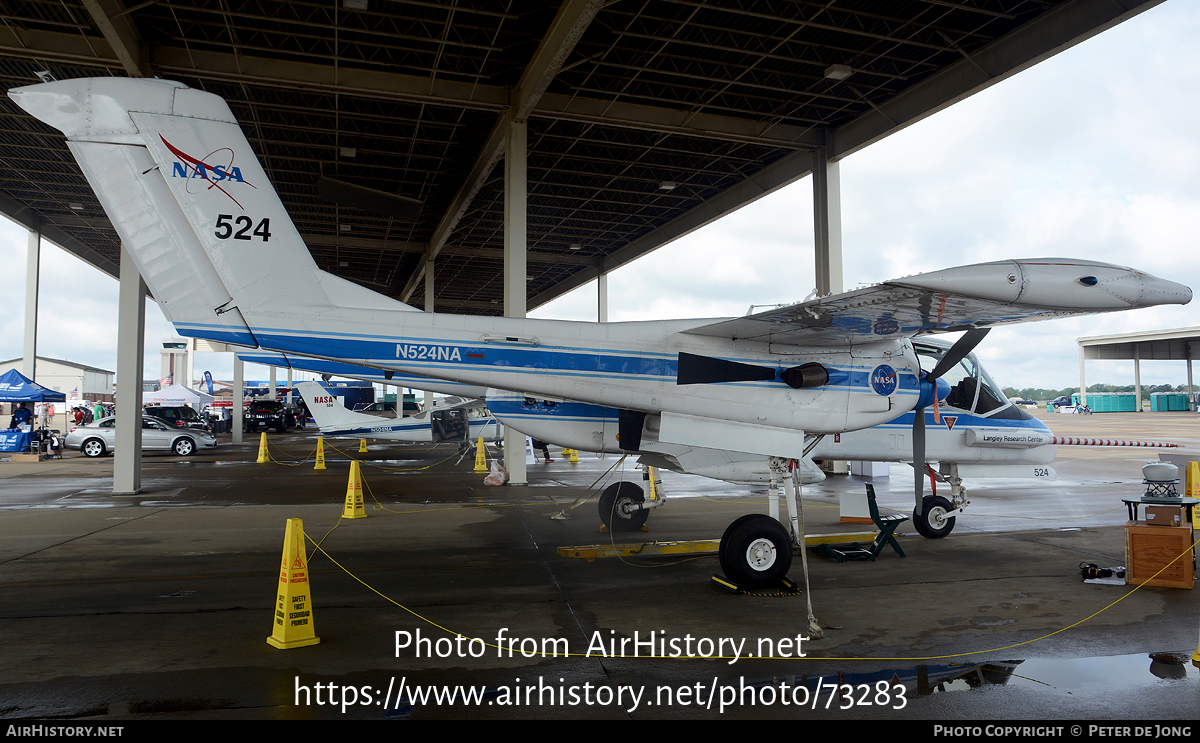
930	395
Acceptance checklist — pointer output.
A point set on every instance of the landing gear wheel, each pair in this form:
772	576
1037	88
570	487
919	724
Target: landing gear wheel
613	503
184	447
756	551
933	523
729	532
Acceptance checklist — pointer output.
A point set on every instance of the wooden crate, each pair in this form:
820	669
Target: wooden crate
1149	548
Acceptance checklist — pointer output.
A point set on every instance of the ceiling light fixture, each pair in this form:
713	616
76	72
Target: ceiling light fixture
838	71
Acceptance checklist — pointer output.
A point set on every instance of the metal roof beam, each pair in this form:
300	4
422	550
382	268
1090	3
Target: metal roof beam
120	33
775	176
26	217
1056	30
569	23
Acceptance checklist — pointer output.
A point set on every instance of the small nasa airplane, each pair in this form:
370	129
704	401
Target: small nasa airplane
452	421
211	238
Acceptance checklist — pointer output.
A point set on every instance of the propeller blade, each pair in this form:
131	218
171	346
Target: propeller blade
959	351
918	457
694	369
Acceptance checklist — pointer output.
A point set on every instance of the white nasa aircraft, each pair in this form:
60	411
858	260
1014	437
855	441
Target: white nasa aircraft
451	421
196	211
979	435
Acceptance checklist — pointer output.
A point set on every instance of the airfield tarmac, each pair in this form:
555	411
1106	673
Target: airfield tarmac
158	605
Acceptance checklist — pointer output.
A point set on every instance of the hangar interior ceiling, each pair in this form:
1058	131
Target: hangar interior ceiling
380	122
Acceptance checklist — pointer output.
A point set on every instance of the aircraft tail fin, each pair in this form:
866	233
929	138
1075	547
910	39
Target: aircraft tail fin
330	414
192	203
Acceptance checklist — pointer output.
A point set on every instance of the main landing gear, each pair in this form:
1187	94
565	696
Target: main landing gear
755	551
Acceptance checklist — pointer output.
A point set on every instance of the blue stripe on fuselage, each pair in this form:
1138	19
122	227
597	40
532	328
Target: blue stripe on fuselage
432	354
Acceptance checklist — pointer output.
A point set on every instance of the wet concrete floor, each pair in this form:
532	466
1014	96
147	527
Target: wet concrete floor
159	605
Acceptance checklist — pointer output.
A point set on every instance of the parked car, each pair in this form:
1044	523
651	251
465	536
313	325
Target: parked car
268	414
179	415
1062	401
100	437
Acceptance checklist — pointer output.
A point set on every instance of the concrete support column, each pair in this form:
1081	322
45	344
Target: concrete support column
602	297
1191	398
33	264
1137	377
429	305
289	393
514	265
1082	379
191	363
239	395
827	219
131	345
271	392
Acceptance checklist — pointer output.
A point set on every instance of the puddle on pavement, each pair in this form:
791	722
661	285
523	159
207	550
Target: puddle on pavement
1063	674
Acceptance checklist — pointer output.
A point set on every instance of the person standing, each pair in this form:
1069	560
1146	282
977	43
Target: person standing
21	416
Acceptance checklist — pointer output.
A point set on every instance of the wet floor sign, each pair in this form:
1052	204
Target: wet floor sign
293	626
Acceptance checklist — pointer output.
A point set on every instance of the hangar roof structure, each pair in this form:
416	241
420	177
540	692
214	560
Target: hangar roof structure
381	122
1175	344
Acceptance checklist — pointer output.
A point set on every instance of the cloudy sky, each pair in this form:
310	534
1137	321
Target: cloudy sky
1091	154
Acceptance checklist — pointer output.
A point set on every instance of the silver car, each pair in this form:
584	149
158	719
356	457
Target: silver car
100	437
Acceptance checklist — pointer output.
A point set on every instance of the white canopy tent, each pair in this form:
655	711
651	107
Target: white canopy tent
177	394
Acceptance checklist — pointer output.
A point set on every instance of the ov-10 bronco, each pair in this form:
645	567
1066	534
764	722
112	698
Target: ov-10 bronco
211	238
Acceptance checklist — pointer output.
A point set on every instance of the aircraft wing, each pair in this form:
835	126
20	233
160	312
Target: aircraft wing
951	300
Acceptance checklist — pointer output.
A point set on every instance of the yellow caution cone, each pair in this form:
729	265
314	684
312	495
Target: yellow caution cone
362	446
480	456
263	456
354	497
574	456
320	454
293	626
1193	490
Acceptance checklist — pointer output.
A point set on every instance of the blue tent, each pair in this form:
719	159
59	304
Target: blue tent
16	387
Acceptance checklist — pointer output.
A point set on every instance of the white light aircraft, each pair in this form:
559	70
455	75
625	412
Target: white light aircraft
211	238
977	433
452	420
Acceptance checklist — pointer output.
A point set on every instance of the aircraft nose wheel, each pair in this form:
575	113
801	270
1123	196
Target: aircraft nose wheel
933	523
616	504
756	551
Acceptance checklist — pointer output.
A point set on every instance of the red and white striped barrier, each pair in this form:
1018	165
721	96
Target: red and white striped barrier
1072	441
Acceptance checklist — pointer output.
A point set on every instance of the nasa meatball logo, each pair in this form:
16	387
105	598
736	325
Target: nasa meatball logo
883	380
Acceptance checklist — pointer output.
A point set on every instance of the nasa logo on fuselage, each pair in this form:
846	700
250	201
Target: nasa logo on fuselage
883	380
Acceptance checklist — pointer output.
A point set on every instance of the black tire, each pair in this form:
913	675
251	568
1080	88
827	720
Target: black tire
729	532
757	552
611	513
184	446
93	448
933	522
